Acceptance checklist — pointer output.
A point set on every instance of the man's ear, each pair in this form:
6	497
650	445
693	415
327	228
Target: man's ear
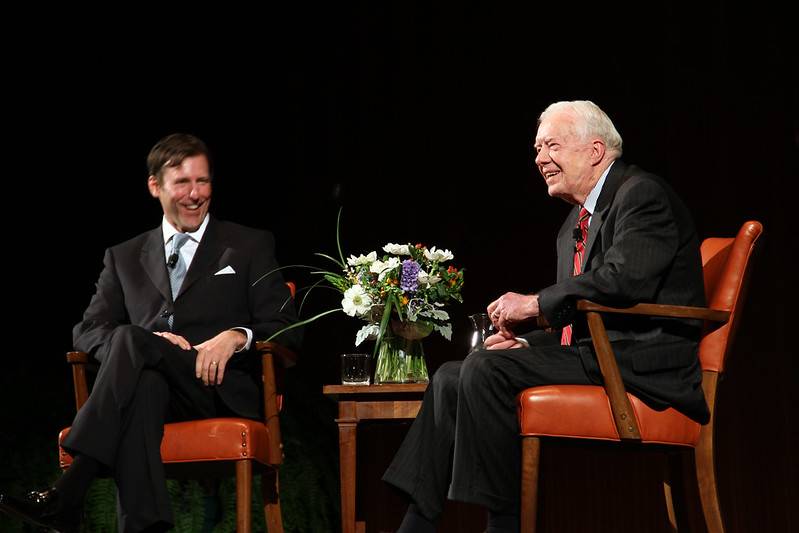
154	188
597	151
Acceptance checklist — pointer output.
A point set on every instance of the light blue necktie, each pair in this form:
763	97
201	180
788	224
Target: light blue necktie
178	271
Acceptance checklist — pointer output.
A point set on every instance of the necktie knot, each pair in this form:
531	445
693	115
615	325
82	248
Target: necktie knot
584	215
178	240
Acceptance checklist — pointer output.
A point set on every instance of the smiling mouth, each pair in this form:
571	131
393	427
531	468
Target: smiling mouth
548	175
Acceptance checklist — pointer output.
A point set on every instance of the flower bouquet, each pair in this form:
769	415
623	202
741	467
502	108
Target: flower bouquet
401	295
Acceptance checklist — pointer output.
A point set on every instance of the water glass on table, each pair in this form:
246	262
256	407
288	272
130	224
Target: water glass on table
356	368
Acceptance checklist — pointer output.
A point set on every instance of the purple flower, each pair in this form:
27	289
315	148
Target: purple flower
410	276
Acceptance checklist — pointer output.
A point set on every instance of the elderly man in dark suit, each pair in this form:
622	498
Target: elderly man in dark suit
628	239
168	349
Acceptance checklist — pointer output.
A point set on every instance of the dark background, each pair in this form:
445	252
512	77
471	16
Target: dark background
418	121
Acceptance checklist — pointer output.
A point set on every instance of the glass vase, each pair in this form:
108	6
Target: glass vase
400	360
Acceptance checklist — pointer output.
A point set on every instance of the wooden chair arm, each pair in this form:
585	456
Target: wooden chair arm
288	357
79	361
77	358
271	355
623	415
672	311
620	406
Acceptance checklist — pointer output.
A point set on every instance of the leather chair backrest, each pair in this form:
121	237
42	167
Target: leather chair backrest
726	272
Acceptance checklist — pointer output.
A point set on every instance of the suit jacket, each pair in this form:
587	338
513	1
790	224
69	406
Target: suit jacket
641	247
221	290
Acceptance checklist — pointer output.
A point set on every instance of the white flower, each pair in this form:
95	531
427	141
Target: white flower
397	249
362	259
438	255
382	267
356	301
427	279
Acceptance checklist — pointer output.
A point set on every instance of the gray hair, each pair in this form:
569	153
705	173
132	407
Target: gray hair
589	120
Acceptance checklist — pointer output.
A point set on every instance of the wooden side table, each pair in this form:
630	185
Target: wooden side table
390	401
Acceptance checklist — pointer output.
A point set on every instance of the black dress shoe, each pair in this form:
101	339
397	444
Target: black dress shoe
43	509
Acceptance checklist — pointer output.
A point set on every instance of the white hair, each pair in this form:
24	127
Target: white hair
589	120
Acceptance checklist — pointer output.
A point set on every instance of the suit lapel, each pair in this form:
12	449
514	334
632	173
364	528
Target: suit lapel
602	205
153	261
566	245
210	248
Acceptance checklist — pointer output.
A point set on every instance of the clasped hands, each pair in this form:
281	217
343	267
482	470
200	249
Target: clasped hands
212	355
506	313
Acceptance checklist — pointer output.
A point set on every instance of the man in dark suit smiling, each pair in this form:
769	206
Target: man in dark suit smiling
171	347
628	239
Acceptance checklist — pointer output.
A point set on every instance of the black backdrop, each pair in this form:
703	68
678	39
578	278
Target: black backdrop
418	121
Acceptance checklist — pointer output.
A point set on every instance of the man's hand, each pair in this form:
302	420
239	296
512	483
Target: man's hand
177	340
502	341
213	355
510	309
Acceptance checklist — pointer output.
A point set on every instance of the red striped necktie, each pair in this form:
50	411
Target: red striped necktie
579	251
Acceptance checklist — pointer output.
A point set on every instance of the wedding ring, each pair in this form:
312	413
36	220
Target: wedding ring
213	362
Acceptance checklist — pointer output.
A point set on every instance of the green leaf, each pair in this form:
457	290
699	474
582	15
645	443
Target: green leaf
338	233
302	323
341	263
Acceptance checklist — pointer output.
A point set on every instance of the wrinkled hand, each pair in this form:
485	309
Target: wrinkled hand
213	355
512	308
502	341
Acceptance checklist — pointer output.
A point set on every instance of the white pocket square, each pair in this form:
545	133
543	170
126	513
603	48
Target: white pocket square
227	270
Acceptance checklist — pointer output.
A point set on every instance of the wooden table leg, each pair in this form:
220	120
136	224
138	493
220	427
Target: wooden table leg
366	402
347	431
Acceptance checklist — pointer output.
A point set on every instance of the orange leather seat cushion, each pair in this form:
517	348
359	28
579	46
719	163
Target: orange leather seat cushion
208	440
583	411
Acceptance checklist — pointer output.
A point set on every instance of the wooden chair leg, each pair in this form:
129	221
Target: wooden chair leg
706	479
271	496
531	452
243	494
674	491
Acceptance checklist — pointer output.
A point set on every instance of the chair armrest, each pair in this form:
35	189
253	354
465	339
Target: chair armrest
623	415
271	352
287	356
79	362
672	311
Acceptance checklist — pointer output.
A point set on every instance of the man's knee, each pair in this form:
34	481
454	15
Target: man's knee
130	334
138	344
446	377
444	386
479	370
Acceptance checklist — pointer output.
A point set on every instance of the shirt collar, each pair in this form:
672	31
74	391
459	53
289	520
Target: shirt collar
169	230
593	196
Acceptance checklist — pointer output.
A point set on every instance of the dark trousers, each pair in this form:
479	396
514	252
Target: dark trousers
464	444
143	382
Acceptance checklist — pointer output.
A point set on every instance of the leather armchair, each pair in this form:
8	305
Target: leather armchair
221	447
611	414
